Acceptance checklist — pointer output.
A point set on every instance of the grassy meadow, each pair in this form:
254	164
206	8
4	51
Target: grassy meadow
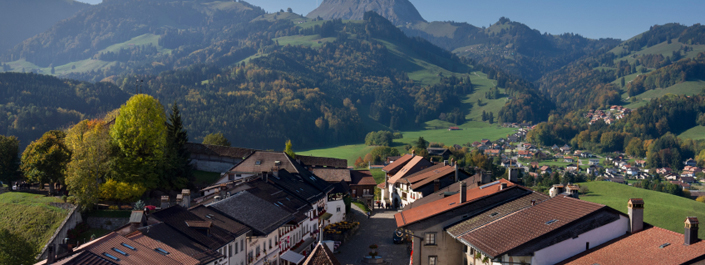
660	209
695	133
30	216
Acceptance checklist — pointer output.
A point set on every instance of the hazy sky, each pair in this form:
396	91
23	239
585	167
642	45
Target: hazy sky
594	18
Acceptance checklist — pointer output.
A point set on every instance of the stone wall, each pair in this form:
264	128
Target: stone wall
107	223
71	220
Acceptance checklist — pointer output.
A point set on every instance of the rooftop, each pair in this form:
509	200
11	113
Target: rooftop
494	239
430	209
362	177
653	245
416	163
321	255
253	211
398	164
217	150
332	174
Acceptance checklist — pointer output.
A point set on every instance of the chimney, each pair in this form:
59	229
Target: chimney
457	176
436	185
463	192
533	202
691	230
502	186
413	153
636	215
165	201
180	199
51	256
445	162
223	187
187	197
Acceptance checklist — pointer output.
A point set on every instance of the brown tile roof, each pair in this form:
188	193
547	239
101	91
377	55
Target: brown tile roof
263	161
398	164
321	255
141	255
216	150
162	232
644	247
496	213
315	161
81	258
362	177
153	244
427	210
503	235
332	174
420	180
409	168
454	188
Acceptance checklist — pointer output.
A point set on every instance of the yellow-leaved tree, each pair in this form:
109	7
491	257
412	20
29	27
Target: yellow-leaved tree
89	141
139	135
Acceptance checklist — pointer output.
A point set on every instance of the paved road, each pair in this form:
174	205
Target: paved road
379	230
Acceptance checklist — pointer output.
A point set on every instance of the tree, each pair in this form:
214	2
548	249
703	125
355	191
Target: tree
139	134
121	191
178	171
288	9
700	199
421	143
89	142
216	139
15	249
621	81
45	160
701	119
490	119
635	148
9	159
289	150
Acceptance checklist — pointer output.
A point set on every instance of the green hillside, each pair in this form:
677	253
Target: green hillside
695	133
660	209
663	48
688	88
31	216
470	132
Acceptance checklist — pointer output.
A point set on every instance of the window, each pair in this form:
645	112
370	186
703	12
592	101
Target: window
432	260
236	248
338	209
430	239
257	251
242	245
230	250
270	243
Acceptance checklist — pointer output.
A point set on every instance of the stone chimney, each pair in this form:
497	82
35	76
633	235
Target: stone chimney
636	215
187	197
165	201
463	192
457	175
436	185
691	230
180	199
51	256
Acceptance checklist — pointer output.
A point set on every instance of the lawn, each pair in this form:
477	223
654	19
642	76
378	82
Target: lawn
468	134
695	133
660	209
686	88
378	174
204	178
30	216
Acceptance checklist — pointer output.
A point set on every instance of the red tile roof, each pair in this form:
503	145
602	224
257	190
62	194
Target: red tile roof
644	247
398	164
515	230
430	209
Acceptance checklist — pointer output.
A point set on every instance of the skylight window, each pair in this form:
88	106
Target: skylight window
552	221
120	251
111	256
258	162
128	246
664	245
494	214
161	251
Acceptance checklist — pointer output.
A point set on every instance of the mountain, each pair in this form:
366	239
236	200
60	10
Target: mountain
659	58
20	20
399	12
510	45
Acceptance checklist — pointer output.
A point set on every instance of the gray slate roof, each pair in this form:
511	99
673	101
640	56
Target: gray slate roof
253	211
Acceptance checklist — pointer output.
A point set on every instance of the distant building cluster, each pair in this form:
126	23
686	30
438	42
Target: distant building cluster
608	116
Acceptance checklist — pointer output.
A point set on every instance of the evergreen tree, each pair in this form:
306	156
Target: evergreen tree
622	81
491	118
484	116
9	159
178	159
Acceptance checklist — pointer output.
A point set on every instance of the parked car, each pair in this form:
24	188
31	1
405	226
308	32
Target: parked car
398	237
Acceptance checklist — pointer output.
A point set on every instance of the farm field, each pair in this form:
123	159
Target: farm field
695	133
660	209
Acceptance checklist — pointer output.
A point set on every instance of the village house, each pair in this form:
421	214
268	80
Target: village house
430	180
215	158
395	172
565	149
568	159
663	170
593	161
690	162
640	163
443	153
362	186
572	167
546	170
593	170
671	176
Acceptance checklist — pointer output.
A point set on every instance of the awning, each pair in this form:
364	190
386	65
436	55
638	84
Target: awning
326	216
292	257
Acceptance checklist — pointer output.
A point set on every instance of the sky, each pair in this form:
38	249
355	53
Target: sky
619	19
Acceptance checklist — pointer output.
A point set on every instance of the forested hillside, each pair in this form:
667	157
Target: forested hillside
20	20
32	104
